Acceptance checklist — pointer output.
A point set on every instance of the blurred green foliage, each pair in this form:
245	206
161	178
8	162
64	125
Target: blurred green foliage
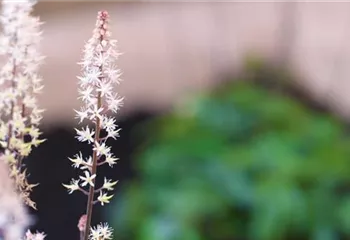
246	161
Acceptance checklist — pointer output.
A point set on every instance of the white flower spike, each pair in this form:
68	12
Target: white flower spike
20	84
97	83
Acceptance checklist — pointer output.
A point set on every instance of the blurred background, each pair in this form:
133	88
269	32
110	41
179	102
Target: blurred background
235	124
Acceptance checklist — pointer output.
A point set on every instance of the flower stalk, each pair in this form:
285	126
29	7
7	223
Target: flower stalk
19	79
96	90
90	201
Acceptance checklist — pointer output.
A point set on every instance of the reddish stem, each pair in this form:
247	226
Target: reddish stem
90	202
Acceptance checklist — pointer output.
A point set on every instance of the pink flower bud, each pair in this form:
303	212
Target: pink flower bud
82	223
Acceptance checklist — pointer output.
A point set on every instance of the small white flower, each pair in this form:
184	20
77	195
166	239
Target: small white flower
30	101
101	59
77	160
104	88
113	73
111	160
113	133
34	132
35	118
81	115
104	198
73	186
94	74
106	231
9	157
95	234
34	236
95	112
87	179
108	184
86	94
114	102
109	123
85	62
88	164
39	236
101	232
85	135
84	80
101	149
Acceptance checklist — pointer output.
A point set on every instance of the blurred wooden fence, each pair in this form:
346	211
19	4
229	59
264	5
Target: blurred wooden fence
172	49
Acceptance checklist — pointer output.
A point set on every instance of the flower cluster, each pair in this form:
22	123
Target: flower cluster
34	236
96	90
101	232
20	85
